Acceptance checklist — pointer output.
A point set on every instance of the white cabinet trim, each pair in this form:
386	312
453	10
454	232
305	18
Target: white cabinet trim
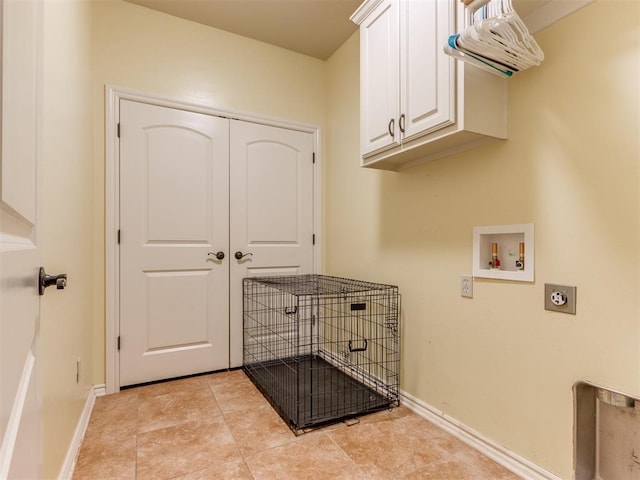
364	10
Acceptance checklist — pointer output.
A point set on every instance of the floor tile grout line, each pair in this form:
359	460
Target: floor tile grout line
245	457
360	467
224	415
135	465
224	419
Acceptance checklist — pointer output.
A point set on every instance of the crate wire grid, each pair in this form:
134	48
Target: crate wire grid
322	348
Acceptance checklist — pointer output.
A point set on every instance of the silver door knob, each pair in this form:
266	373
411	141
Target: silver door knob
239	255
218	255
45	280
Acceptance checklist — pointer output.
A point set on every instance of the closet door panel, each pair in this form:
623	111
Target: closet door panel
174	212
272	167
271	184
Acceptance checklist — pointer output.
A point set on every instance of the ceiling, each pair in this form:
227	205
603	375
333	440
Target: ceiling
311	27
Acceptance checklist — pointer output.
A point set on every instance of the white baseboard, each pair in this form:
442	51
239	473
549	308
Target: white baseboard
509	460
66	472
100	390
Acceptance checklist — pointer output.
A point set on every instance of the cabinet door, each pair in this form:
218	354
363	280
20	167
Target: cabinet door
379	70
427	82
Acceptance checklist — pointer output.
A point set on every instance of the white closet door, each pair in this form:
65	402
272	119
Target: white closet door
174	211
271	178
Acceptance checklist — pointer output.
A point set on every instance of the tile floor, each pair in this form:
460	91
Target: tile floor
219	426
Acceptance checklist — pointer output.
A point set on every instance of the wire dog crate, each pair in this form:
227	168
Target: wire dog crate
322	348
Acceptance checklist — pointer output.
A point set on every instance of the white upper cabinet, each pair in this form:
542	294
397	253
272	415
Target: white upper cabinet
426	97
416	103
379	67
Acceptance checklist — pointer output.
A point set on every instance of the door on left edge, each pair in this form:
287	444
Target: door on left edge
20	240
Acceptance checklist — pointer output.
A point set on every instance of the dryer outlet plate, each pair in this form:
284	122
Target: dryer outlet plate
560	298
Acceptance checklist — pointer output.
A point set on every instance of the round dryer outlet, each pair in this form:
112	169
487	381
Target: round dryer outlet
558	298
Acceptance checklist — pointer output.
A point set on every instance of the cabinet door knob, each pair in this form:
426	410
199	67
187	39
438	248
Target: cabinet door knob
401	123
392	124
218	255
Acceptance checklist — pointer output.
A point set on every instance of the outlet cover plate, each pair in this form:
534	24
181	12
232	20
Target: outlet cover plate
569	291
466	286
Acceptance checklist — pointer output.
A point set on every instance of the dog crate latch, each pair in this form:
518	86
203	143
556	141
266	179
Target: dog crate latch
358	349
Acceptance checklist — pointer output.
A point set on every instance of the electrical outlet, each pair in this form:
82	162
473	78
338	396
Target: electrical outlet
560	298
466	286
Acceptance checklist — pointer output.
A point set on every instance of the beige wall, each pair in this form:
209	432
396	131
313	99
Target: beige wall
499	362
138	48
67	223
